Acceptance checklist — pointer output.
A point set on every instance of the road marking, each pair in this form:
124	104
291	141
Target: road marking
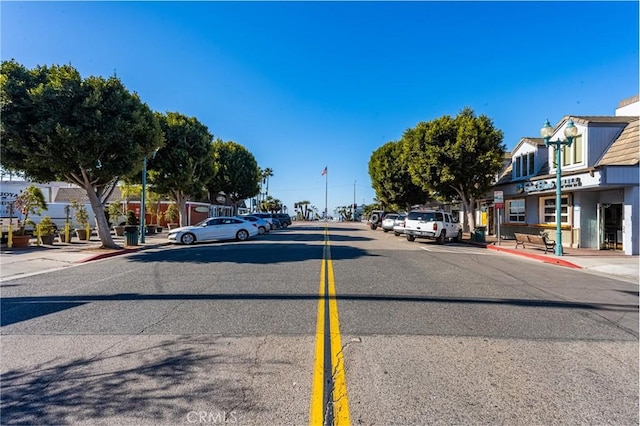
329	403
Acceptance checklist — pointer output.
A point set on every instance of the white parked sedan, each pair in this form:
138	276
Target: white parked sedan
214	228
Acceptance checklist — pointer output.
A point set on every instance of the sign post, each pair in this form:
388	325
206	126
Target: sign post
498	202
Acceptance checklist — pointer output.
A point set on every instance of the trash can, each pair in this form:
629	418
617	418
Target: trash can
480	233
131	235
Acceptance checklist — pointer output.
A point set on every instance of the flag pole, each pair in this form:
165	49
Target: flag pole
326	189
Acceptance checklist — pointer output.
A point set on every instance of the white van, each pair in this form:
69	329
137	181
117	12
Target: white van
59	215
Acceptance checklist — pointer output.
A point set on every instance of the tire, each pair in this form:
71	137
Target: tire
188	239
374	218
262	230
284	225
385	230
442	238
458	237
373	226
411	238
242	235
397	234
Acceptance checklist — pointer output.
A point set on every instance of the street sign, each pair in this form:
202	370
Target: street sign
498	199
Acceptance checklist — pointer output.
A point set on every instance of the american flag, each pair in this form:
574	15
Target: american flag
324	172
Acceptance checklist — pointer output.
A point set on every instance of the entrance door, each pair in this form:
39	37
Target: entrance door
610	226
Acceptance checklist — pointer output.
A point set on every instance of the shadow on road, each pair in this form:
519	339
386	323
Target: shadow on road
17	309
156	383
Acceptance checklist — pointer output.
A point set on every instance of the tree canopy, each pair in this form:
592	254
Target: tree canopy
58	126
390	178
455	158
236	172
182	168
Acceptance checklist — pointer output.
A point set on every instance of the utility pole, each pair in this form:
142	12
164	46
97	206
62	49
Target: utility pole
354	200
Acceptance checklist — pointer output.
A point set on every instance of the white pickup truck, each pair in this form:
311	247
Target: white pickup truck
432	224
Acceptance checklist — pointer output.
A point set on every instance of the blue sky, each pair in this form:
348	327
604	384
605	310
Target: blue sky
304	85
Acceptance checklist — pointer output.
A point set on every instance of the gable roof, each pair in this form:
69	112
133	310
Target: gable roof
625	150
602	119
530	141
67	195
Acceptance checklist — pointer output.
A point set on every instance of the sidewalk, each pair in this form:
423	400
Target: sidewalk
601	262
35	259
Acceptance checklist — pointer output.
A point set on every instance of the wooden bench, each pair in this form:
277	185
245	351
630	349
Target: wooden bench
534	240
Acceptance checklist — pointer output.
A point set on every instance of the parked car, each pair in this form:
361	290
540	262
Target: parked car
398	225
276	223
214	228
284	218
375	219
388	221
432	224
265	216
263	225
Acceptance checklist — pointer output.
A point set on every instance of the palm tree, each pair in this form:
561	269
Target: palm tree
266	174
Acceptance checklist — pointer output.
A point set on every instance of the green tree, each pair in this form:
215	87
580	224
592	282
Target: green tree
90	132
266	174
235	172
304	210
455	158
271	205
182	168
391	179
30	202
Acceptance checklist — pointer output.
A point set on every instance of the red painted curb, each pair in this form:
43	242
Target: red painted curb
543	258
107	255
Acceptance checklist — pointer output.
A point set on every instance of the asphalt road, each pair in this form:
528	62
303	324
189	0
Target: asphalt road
310	324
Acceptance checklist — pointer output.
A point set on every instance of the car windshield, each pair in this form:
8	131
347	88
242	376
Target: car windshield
424	216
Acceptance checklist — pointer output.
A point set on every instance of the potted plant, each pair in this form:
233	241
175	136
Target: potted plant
30	201
171	215
152	207
47	230
114	211
131	229
62	233
82	217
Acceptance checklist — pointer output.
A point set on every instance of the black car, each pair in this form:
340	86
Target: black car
284	218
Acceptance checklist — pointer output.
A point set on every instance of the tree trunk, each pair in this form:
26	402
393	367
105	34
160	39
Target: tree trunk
181	201
101	220
468	204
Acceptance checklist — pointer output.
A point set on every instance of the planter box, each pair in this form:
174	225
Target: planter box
20	241
47	239
82	234
62	235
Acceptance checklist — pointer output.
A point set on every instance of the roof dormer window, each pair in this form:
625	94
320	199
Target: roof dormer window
524	165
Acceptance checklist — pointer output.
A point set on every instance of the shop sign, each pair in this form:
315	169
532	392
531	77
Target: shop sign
498	199
549	185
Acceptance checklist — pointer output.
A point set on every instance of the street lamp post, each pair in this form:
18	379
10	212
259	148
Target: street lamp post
143	209
570	132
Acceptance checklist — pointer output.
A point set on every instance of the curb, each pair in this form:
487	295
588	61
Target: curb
119	252
542	258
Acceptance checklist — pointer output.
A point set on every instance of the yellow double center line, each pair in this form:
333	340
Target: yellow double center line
329	404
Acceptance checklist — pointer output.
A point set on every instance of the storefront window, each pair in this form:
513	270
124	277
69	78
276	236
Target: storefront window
548	210
515	209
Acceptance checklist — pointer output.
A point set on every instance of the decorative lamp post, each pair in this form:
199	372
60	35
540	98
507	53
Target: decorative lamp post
570	132
143	207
